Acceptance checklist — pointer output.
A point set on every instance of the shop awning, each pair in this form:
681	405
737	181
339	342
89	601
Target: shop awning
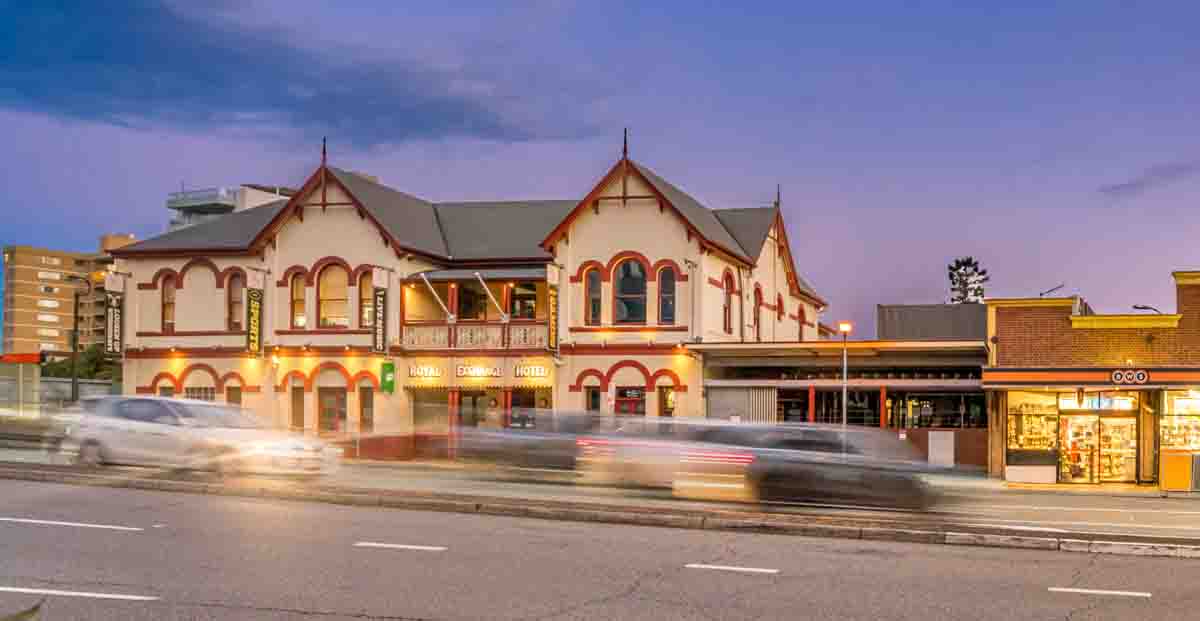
495	273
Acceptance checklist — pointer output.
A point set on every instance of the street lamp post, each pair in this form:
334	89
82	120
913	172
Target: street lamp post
845	328
75	335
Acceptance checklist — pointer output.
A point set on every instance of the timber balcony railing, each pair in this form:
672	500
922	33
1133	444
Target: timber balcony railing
468	335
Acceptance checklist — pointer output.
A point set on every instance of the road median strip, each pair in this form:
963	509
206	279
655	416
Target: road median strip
732	520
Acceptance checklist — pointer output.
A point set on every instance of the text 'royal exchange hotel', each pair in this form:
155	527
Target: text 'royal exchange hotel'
477	307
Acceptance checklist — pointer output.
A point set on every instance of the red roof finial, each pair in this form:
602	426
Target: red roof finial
322	151
625	146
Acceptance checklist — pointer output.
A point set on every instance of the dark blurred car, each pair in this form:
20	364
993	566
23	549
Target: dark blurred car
758	463
534	439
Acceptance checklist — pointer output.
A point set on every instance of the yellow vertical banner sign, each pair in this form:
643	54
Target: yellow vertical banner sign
254	304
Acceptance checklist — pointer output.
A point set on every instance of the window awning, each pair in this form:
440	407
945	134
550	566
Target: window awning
497	273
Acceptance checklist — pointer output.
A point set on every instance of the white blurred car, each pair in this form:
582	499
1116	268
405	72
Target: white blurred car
183	433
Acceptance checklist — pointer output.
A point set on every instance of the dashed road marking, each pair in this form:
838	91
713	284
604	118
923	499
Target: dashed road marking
89	594
74	524
745	570
399	546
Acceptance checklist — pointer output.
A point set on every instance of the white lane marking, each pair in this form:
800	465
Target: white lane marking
132	598
1095	509
158	526
398	546
747	570
1099	592
1040	529
75	524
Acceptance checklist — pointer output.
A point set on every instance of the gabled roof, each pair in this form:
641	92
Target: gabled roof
500	229
748	225
231	232
702	218
411	221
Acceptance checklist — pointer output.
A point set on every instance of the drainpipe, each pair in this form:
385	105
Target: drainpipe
741	307
691	265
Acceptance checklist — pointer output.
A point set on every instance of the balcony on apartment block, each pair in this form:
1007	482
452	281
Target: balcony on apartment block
485	309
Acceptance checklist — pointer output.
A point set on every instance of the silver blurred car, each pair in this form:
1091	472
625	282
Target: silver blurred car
189	434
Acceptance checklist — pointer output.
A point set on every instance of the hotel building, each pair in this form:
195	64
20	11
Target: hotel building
351	306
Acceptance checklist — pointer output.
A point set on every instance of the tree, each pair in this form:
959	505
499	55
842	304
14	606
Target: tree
966	281
92	364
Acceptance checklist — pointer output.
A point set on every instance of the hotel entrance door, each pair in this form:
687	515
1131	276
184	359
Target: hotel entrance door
1097	448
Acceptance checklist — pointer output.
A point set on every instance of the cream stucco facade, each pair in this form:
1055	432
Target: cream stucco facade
318	360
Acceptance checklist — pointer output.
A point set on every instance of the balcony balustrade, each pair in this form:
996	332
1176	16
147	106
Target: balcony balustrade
476	336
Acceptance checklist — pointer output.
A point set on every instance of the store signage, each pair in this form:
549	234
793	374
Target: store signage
1130	376
552	324
463	370
420	370
114	337
387	377
379	330
254	304
530	370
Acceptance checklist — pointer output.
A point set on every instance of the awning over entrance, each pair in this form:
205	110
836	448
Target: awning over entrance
497	273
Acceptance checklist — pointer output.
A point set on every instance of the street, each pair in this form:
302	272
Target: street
147	555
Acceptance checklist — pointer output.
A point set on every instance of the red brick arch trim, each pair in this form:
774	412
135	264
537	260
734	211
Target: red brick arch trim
587	265
669	374
202	262
233	376
156	280
586	373
366	374
311	380
230	271
680	275
175	383
365	268
612	371
286	279
286	381
633	255
324	262
200	366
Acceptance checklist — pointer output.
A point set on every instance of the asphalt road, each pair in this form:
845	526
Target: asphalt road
228	558
967	500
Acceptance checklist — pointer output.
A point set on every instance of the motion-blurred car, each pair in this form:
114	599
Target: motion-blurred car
534	439
760	463
188	434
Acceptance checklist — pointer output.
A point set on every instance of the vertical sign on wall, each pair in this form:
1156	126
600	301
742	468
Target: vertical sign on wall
387	375
254	303
114	306
552	303
379	281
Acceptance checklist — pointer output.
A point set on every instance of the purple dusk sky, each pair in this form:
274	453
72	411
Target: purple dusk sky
1055	143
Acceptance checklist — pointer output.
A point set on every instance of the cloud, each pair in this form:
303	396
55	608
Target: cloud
152	65
1151	178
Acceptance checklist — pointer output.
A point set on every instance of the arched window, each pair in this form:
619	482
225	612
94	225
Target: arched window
591	295
779	307
666	296
366	301
168	304
333	285
728	307
758	303
629	291
299	317
234	303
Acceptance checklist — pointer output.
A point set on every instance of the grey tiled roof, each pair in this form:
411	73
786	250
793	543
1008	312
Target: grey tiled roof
701	217
500	229
410	220
750	226
233	231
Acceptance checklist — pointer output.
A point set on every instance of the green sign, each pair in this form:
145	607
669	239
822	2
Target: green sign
387	377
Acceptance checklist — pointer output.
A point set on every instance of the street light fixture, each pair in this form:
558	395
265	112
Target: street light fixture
845	328
87	282
1144	307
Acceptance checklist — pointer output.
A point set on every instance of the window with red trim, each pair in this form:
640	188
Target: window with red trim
235	289
629	292
779	307
758	302
333	297
299	317
168	304
800	319
728	308
666	296
591	296
366	301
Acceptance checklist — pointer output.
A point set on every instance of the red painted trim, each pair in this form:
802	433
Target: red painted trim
650	379
285	382
365	268
779	311
716	283
230	271
175	383
195	333
324	331
624	255
144	390
233	375
251	389
203	262
590	349
365	374
680	275
812	404
883	412
587	265
310	278
586	373
286	279
156	280
311	380
462	353
640	329
669	374
200	366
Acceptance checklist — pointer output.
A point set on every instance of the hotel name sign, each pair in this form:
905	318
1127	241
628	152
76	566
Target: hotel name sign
520	371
